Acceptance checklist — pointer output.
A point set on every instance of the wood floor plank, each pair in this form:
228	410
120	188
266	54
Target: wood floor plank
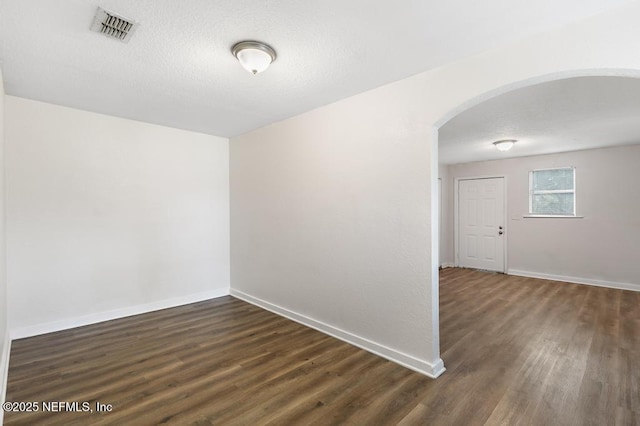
517	350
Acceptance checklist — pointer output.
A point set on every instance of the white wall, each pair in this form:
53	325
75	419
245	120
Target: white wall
602	247
324	218
332	218
108	217
4	333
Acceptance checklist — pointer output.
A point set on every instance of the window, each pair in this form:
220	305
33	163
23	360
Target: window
552	192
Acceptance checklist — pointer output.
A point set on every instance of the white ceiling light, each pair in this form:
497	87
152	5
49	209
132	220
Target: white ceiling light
504	145
254	56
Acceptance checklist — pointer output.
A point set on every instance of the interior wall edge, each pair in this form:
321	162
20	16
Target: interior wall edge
432	369
51	327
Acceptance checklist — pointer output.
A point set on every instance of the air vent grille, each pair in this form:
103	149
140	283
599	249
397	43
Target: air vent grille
113	26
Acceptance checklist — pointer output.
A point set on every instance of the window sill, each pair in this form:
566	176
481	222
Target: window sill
550	216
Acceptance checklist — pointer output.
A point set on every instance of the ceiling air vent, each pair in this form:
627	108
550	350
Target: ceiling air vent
113	26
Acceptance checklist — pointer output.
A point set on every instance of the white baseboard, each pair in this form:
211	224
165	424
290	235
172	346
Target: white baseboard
430	369
50	327
575	280
447	265
4	370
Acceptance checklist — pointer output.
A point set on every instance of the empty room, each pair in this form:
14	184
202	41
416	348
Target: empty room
356	212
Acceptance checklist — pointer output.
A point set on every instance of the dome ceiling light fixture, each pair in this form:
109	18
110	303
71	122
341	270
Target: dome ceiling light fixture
254	56
504	145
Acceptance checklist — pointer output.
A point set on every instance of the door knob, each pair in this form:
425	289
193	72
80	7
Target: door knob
499	227
500	232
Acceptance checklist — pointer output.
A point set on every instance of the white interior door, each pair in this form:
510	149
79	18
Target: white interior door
481	230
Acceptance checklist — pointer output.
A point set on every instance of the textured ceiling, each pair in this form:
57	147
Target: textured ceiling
177	69
558	116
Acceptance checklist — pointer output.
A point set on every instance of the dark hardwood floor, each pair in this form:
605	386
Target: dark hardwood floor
517	351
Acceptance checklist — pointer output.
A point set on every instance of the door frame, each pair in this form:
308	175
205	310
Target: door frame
456	217
440	221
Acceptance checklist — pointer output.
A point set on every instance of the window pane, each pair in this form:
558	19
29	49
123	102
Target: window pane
556	179
561	204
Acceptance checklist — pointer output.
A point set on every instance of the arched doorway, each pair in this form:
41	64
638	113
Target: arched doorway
549	320
464	105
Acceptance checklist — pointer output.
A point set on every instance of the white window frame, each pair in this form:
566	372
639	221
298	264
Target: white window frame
553	191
